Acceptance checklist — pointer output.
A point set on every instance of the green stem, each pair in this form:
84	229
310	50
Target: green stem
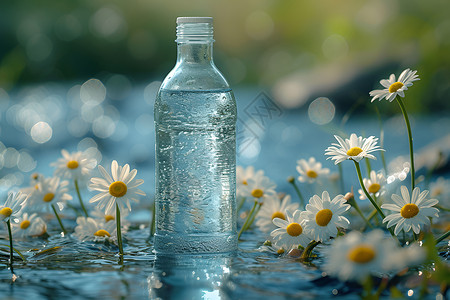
358	210
241	204
369	167
442	237
372	214
119	231
247	220
358	171
381	138
341	178
153	225
442	208
299	194
59	220
79	198
308	250
415	237
254	216
411	152
11	251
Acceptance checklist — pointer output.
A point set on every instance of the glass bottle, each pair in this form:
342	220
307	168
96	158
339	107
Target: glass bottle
195	120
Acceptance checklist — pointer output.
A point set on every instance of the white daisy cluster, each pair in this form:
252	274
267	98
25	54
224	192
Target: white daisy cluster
27	209
319	222
356	256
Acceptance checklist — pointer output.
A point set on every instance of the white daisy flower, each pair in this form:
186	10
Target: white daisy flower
260	187
274	208
355	148
355	256
13	205
441	189
310	170
289	233
410	212
394	87
28	225
120	188
47	192
323	216
242	175
89	229
374	185
74	166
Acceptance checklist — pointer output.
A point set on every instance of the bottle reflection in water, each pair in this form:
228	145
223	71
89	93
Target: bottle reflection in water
195	118
191	278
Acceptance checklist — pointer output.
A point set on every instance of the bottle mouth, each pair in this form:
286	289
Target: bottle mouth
194	30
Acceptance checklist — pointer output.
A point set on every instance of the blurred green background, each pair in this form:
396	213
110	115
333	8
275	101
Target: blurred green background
298	50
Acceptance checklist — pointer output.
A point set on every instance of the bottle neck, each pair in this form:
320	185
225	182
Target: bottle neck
195	43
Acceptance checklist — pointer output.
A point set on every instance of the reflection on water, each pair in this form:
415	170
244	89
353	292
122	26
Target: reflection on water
189	277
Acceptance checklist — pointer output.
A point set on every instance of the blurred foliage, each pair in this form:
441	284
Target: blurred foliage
260	42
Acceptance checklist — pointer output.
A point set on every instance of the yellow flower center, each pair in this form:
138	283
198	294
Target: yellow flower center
102	232
374	187
323	217
278	214
25	224
311	174
294	229
6	212
118	189
409	210
244	182
354	151
257	193
73	164
109	218
395	87
362	254
280	251
48	197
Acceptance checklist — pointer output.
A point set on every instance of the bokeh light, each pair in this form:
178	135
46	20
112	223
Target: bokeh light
41	132
93	91
321	111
